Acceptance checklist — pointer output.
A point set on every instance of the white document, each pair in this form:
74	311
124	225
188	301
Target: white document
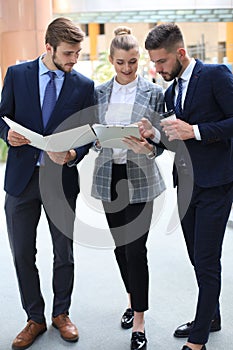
110	136
58	142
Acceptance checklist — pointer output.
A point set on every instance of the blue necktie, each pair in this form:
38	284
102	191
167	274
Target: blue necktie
50	97
49	102
178	106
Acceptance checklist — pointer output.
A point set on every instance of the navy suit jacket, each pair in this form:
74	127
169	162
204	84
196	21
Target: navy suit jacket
209	104
21	102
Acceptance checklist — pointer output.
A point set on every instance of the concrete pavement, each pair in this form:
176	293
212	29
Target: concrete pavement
99	298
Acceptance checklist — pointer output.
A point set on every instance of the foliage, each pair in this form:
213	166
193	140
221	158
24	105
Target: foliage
3	151
104	69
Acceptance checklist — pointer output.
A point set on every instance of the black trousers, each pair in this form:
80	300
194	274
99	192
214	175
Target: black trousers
129	225
204	222
22	215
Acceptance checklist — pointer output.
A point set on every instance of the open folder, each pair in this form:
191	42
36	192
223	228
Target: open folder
109	136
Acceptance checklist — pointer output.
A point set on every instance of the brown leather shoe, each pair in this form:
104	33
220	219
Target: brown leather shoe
28	335
66	328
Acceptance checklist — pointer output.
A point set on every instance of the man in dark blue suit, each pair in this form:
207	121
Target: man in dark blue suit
201	137
32	181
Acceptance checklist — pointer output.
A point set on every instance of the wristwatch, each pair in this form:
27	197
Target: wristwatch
152	154
97	146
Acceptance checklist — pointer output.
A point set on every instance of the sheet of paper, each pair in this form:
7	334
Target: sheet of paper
110	136
58	142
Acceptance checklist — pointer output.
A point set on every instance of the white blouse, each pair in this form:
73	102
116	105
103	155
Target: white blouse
119	112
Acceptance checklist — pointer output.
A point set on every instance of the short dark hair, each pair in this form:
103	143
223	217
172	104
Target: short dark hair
63	30
166	36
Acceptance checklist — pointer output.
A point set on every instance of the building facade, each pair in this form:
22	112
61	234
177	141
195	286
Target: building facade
208	26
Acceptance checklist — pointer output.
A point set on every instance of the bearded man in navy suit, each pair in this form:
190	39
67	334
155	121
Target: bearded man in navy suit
201	137
22	99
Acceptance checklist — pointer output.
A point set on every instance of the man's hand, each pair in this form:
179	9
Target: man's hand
62	158
140	146
146	129
177	130
16	139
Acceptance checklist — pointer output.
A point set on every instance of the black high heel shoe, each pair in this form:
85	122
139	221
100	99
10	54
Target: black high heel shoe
127	319
138	341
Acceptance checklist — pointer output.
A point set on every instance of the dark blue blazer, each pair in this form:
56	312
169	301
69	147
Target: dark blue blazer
21	102
209	104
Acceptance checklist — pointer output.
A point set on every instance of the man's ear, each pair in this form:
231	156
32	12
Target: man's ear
181	52
48	48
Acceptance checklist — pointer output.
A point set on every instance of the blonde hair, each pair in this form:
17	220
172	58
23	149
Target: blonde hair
123	40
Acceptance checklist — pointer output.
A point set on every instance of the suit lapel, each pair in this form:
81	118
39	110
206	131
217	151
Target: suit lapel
141	102
192	86
32	82
142	98
103	98
57	117
169	97
169	94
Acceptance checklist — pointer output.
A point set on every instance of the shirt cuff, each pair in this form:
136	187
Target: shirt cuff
157	137
197	132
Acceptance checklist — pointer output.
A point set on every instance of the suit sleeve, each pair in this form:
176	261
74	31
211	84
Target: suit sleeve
222	83
6	105
88	103
156	118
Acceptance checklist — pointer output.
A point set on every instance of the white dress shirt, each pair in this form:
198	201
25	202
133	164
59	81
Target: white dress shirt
44	79
186	75
119	112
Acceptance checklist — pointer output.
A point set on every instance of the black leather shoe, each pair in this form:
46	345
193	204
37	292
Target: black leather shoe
185	347
138	341
127	319
184	330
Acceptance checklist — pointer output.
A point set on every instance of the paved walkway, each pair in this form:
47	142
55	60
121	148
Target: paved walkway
99	298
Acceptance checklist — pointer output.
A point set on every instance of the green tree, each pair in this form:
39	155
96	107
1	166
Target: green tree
104	69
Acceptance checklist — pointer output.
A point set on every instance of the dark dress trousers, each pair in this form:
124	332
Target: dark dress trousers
29	187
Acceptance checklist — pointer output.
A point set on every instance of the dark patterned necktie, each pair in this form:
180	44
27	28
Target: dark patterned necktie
178	105
50	97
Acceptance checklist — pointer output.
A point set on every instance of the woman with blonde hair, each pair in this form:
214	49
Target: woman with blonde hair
126	182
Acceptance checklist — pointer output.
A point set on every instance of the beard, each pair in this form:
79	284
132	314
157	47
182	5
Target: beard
174	73
60	66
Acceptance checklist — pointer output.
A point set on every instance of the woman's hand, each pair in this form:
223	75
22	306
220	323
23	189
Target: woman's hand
140	146
146	128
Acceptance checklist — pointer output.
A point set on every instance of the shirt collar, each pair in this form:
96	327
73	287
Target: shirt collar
186	75
43	69
130	87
